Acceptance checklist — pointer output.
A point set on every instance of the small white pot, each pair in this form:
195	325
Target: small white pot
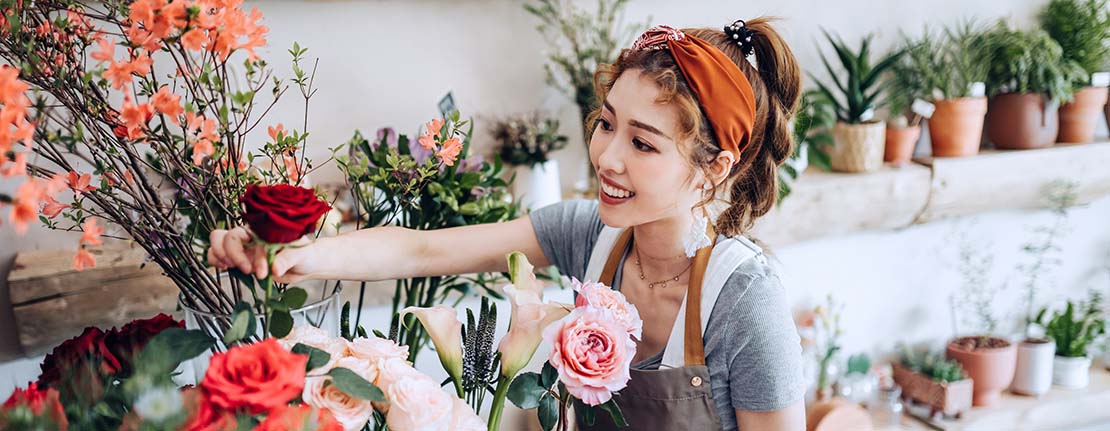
1033	374
1071	373
538	186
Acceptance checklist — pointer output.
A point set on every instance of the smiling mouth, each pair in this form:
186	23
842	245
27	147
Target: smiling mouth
615	192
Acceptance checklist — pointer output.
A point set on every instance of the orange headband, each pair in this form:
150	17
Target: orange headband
722	89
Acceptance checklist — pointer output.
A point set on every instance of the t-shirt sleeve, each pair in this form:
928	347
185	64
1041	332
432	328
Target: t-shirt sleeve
765	372
567	232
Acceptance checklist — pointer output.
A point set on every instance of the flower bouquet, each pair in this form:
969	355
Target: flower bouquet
129	120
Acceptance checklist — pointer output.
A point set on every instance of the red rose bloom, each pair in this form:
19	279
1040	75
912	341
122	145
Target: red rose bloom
282	213
85	352
255	378
40	402
203	416
299	418
126	343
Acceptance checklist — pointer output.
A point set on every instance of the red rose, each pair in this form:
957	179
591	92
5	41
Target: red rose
299	418
40	402
72	361
203	416
255	378
282	213
126	343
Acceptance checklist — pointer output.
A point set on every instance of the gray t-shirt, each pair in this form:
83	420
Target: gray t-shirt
752	348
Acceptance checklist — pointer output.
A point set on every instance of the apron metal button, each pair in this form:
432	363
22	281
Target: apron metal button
696	381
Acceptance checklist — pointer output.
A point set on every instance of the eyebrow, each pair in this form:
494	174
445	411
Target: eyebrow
637	123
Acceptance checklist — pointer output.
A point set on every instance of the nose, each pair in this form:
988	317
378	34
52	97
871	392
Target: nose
610	156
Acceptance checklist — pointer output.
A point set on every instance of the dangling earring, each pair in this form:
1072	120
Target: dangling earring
696	237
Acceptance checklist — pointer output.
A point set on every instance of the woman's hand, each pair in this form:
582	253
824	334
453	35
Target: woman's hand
231	249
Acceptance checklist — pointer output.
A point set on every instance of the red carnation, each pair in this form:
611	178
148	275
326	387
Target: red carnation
282	213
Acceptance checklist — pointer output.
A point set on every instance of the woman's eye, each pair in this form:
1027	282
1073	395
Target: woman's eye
605	125
640	145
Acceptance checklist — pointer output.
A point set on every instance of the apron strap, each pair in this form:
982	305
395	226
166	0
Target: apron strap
615	255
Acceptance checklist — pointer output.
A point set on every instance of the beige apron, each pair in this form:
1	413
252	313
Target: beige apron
677	396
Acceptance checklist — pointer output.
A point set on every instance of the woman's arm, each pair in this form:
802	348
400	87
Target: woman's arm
791	418
385	253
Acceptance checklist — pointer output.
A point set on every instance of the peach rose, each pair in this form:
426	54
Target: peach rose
374	348
463	417
392	370
600	295
351	412
592	351
418	404
315	337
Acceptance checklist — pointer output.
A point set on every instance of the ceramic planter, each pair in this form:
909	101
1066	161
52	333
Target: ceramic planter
1079	118
538	186
1020	121
949	398
900	143
1033	374
858	147
992	369
1071	373
956	127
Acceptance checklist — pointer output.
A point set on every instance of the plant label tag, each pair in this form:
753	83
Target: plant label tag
977	89
1100	79
447	105
867	115
923	108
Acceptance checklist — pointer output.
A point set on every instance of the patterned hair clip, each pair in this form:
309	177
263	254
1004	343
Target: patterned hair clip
739	33
657	37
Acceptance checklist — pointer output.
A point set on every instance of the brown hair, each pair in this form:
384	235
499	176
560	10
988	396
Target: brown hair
753	181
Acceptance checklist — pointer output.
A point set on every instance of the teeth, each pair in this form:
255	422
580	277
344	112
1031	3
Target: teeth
615	192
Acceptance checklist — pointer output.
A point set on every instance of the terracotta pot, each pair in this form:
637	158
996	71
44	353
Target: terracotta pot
949	398
837	414
1033	375
1079	118
900	143
1021	122
991	369
857	147
956	127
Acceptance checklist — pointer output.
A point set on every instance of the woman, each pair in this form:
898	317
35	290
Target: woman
684	119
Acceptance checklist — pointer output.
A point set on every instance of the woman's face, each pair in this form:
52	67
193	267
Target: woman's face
642	174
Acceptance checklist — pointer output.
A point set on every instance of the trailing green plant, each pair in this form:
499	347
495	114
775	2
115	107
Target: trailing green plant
812	125
975	300
1029	61
1082	29
934	366
1077	327
1043	251
861	88
527	140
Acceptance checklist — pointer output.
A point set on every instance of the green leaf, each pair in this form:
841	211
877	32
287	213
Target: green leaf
170	348
587	413
615	412
526	390
354	385
238	329
550	376
549	413
280	323
316	357
294	297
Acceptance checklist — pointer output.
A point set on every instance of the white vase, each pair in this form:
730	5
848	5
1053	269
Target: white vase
1071	373
538	186
1033	374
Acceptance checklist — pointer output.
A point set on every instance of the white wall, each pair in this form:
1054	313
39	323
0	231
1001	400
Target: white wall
387	62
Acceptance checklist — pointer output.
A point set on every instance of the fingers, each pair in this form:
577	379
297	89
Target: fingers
234	251
216	249
285	260
258	260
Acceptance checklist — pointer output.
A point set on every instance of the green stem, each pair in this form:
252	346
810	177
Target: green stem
268	286
498	405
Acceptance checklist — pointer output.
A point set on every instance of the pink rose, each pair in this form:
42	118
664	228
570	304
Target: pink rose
463	417
392	370
315	337
592	351
600	295
418	404
375	348
351	412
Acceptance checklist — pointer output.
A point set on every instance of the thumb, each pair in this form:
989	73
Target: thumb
285	261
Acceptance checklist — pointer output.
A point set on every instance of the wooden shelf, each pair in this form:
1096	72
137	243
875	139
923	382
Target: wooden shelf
929	189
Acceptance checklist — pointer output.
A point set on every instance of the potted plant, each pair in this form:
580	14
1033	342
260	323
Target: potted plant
908	84
989	360
1074	330
526	142
1028	78
1081	27
952	68
858	138
934	381
812	125
1035	352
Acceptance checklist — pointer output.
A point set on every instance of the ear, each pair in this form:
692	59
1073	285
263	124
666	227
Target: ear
721	167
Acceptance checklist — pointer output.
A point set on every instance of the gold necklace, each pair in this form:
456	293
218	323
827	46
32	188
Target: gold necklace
661	283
